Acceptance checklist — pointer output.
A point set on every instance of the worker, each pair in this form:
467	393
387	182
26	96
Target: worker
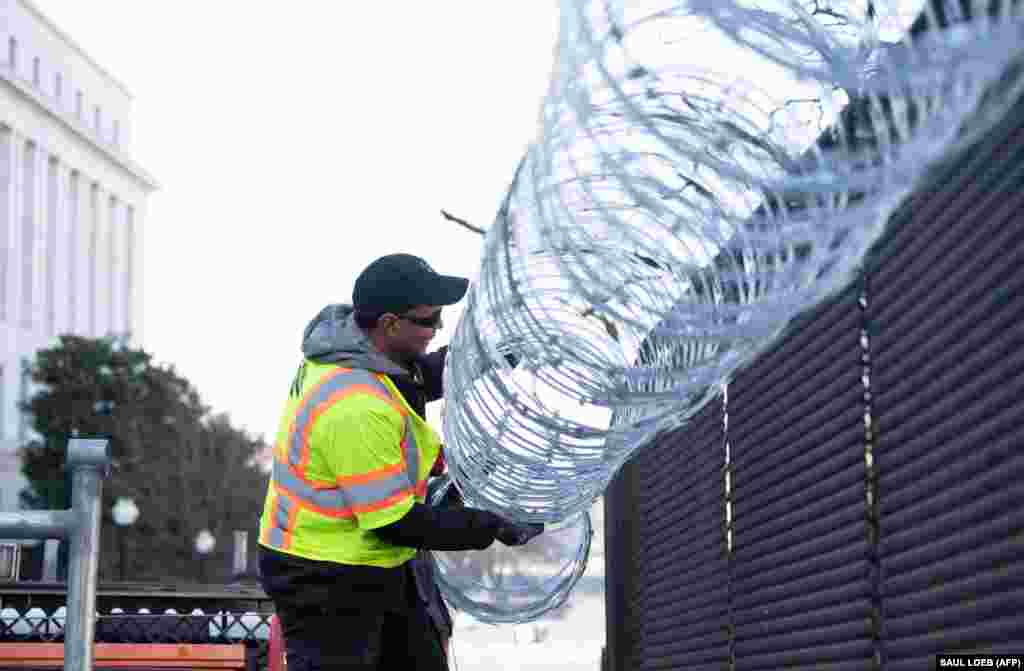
345	510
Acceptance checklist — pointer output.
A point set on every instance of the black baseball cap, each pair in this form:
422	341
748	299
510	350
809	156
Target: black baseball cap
398	282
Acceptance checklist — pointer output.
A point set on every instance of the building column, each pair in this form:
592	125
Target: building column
50	267
10	206
102	260
92	265
61	253
126	275
115	287
8	218
31	229
76	246
134	267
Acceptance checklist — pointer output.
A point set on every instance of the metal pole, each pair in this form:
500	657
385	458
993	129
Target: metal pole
88	461
36	524
120	552
240	563
51	552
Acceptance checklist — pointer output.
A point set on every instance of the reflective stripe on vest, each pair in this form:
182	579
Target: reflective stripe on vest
285	510
349	495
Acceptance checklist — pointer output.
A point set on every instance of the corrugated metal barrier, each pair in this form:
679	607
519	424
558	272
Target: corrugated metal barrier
856	499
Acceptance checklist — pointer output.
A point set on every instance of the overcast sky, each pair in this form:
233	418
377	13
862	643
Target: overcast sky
296	142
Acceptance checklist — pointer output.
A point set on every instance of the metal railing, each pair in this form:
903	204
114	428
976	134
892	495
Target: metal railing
89	463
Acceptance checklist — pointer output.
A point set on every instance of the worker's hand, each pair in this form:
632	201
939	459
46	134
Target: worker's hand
514	534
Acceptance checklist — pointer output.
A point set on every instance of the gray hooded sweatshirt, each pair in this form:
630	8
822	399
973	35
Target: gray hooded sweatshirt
333	337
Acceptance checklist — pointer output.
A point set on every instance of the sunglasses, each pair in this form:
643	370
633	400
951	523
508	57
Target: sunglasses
431	322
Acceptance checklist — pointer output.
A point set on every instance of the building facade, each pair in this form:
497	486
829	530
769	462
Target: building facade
72	205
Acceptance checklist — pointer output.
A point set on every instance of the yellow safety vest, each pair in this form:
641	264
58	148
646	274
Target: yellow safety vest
350	456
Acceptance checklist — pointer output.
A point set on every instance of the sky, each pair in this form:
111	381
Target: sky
294	146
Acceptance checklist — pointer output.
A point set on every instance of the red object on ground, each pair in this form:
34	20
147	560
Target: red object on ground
275	649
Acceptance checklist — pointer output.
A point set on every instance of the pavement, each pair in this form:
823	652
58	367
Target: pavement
571	641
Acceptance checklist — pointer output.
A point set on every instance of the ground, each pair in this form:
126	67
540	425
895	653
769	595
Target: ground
571	643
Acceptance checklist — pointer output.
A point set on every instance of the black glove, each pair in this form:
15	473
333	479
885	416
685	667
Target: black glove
514	534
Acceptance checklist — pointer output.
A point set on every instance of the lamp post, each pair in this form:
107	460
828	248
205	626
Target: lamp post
124	512
205	542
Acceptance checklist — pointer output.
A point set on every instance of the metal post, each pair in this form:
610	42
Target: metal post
121	554
240	563
88	461
51	552
36	524
124	513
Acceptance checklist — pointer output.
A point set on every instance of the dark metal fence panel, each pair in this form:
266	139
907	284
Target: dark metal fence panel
948	369
799	560
621	567
875	463
677	597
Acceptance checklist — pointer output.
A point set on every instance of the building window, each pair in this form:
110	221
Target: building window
116	137
12	55
79	104
36	74
97	122
58	86
10	555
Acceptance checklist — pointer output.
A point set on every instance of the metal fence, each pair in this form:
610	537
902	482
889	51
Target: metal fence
856	498
82	611
144	613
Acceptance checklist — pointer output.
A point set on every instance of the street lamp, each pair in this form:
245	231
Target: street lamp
124	512
205	542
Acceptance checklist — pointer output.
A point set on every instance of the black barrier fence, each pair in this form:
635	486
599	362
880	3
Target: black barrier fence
855	500
33	612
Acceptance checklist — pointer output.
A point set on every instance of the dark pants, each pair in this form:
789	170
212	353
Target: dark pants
363	641
345	617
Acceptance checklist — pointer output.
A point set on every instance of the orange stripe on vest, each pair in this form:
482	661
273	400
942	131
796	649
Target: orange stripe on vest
336	513
304	456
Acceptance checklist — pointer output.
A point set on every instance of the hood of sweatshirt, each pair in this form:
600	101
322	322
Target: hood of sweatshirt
333	337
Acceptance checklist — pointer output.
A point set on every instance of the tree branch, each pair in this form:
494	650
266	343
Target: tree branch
462	222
